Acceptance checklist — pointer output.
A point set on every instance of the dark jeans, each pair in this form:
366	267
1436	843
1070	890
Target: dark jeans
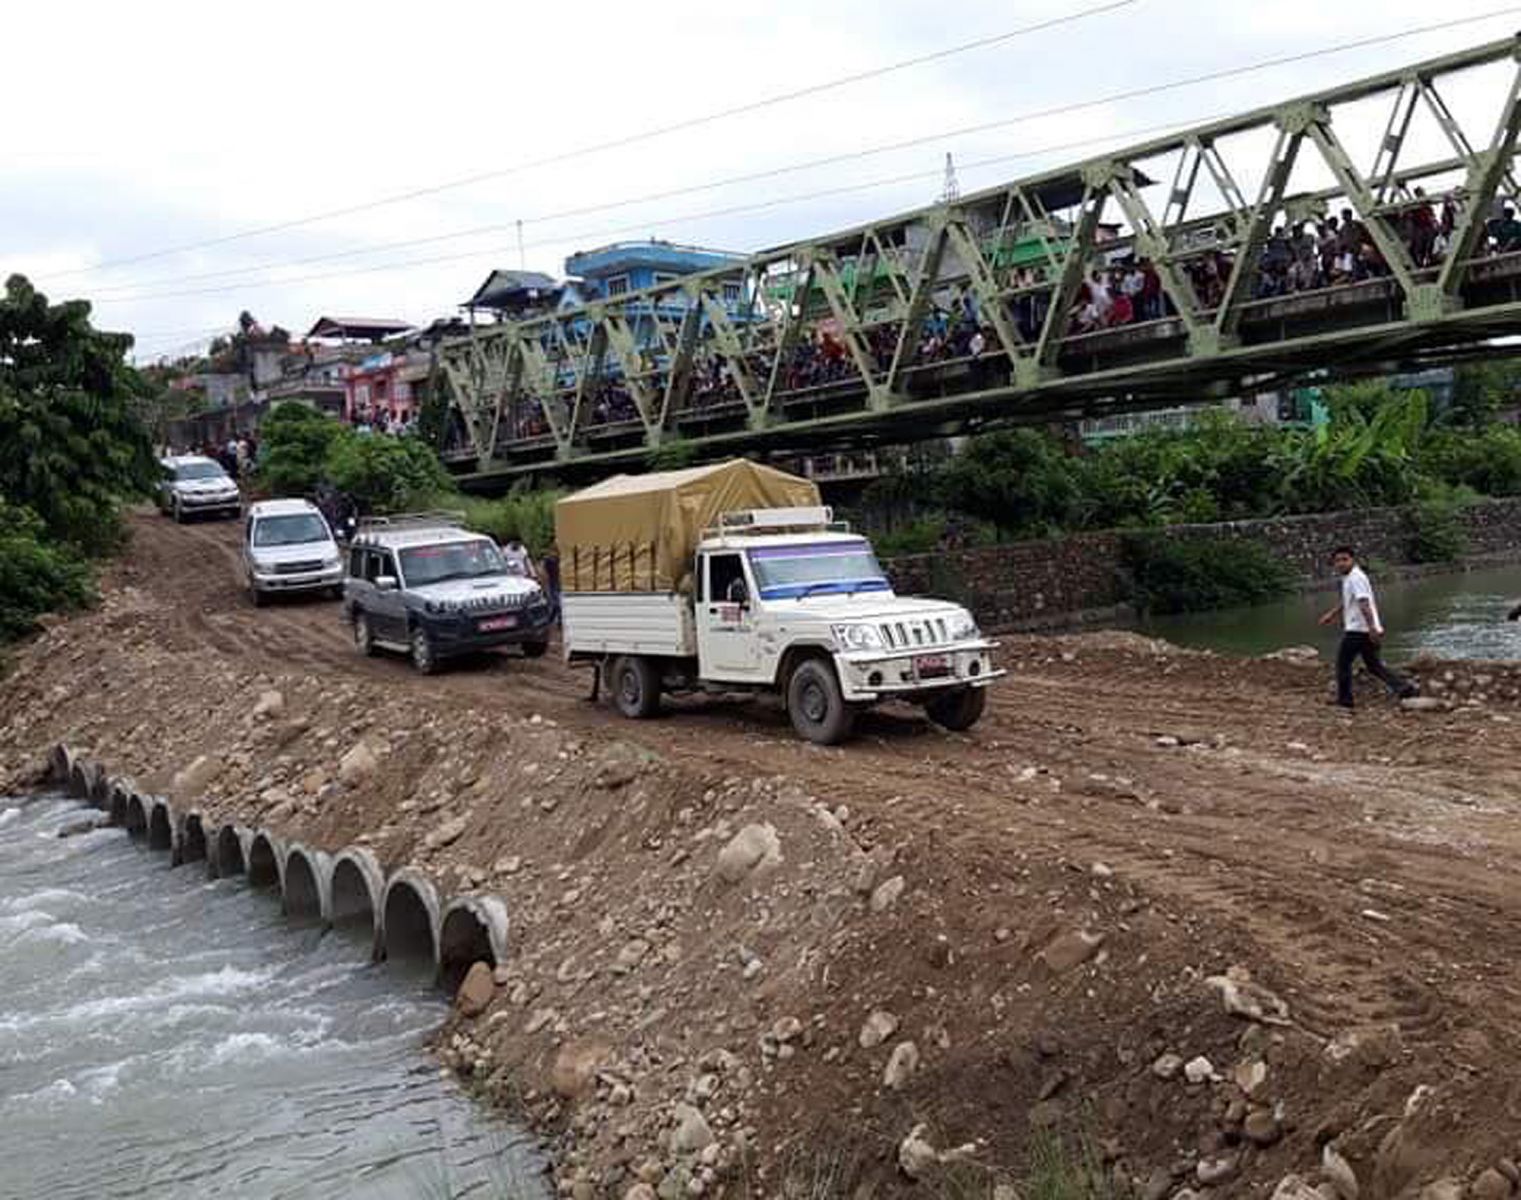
1354	645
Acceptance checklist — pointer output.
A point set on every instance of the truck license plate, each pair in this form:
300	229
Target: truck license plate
492	624
932	666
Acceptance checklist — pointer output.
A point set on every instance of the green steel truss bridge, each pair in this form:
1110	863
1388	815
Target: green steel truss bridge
861	337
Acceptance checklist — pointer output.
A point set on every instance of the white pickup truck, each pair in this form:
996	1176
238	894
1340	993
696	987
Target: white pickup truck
779	599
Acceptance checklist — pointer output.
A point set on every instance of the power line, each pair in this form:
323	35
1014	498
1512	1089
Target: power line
621	142
104	294
731	210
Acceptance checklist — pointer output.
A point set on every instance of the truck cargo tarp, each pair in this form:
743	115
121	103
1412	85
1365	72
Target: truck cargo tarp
640	532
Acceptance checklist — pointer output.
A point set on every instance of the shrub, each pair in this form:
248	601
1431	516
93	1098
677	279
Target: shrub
36	576
527	516
1434	532
1489	462
1173	575
387	474
295	444
1021	480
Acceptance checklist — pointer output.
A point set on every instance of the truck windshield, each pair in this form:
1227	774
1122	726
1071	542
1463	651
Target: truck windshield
422	565
292	530
199	470
812	568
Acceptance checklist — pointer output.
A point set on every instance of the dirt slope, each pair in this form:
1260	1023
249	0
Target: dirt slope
1036	906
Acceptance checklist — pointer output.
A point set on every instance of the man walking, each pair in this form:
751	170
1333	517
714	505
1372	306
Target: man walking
1362	630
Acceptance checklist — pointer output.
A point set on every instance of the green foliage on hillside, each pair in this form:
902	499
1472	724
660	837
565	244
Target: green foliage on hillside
38	573
72	445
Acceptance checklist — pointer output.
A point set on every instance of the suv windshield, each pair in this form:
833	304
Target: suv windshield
199	470
422	565
783	572
291	530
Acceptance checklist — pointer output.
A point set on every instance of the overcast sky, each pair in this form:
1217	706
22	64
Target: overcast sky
151	126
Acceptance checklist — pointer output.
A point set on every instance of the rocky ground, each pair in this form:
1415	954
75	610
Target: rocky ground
1164	919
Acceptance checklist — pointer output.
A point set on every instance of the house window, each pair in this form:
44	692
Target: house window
617	285
362	394
665	277
731	293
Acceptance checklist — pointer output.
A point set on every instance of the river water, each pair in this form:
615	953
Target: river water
165	1036
1459	615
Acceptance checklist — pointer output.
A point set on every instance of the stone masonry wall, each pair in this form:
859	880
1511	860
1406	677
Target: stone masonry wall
1029	583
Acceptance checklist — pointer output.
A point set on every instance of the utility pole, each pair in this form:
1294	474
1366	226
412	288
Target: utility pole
950	192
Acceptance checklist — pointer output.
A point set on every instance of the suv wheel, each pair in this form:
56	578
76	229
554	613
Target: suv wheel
534	649
259	598
958	710
423	656
178	512
636	686
364	637
816	705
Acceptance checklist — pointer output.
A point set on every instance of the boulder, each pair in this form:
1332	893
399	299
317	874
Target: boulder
753	848
1243	997
358	764
879	1026
475	993
901	1066
916	1157
446	834
886	893
1490	1185
269	704
691	1133
1070	950
192	779
574	1072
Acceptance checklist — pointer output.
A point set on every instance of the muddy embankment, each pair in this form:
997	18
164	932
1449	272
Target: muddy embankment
1164	906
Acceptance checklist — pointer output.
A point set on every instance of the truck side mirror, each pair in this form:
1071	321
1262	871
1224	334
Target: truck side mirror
385	583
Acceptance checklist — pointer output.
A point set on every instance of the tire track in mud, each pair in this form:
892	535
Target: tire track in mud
1278	852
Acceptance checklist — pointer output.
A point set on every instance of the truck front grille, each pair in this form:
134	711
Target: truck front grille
916	634
298	568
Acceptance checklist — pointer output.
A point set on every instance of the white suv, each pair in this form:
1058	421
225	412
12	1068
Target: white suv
195	484
288	547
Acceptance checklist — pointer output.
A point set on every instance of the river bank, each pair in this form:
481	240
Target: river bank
737	960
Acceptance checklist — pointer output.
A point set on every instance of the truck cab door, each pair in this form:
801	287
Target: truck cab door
727	646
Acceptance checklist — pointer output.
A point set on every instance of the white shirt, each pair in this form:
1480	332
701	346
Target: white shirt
1354	588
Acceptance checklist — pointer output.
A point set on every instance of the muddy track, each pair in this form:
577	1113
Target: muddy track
1279	825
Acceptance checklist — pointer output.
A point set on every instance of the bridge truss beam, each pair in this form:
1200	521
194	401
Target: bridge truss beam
997	307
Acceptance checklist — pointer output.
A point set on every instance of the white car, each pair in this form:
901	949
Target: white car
288	547
194	484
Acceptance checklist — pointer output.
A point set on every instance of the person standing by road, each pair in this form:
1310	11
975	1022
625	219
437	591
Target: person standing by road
1362	630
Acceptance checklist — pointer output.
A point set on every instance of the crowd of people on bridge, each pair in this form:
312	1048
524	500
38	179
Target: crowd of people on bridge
1117	292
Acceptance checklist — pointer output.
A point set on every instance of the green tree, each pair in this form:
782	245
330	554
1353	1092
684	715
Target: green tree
386	474
1021	480
1480	391
72	443
294	445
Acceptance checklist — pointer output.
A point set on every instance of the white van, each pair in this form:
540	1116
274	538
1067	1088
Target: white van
288	547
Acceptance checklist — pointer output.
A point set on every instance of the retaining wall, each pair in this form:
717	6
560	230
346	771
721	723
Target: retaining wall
408	916
1025	584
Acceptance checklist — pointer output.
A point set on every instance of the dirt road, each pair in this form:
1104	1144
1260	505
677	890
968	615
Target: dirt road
1196	811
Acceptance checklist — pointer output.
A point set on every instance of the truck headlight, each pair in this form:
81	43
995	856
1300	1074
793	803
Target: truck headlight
856	637
964	629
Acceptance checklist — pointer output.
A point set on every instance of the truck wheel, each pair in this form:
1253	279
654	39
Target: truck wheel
816	706
259	598
958	710
423	656
534	649
636	686
364	636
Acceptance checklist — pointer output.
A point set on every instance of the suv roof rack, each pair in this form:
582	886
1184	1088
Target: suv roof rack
413	520
819	519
